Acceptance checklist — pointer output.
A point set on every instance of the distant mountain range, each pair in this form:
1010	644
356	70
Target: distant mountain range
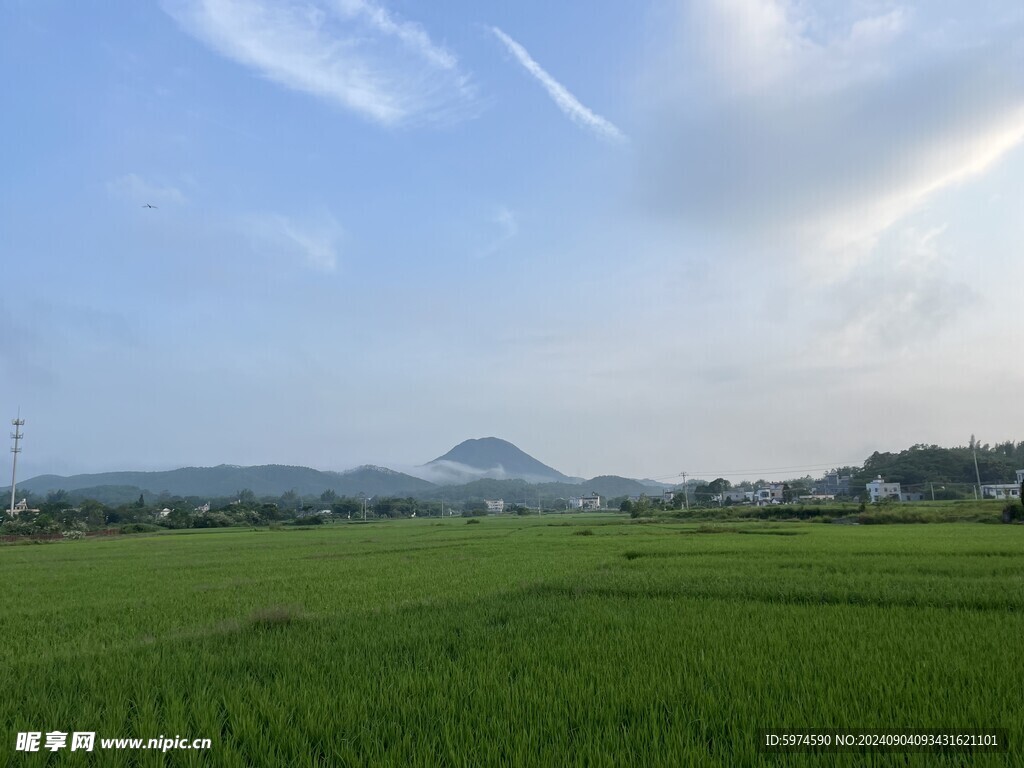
227	480
482	468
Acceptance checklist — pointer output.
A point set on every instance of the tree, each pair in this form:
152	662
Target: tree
56	504
475	509
328	496
178	518
141	503
703	495
95	514
346	507
290	500
641	508
269	511
246	496
718	485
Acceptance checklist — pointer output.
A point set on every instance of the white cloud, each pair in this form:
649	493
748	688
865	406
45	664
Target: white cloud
312	240
566	102
905	292
750	43
877	30
505	221
136	189
410	34
821	142
348	52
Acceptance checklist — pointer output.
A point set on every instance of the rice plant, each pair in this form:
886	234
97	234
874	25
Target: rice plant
515	642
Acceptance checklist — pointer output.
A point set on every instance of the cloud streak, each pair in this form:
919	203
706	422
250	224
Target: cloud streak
312	241
569	104
348	52
135	188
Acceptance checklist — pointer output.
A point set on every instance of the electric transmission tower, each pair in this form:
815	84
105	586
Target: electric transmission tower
16	435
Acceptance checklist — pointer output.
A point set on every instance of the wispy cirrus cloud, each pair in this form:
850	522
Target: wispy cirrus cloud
569	104
137	189
353	53
506	222
410	34
313	240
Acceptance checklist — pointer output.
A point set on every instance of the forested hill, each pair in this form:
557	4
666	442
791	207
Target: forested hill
228	480
930	463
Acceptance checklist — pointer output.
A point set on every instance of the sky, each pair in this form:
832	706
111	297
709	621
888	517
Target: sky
717	236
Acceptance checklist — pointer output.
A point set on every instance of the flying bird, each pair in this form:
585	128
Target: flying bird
147	205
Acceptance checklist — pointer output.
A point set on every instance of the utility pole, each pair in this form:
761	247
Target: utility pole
977	474
686	494
932	486
16	435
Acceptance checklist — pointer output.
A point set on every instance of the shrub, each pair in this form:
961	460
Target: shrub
16	528
211	520
1011	512
139	528
472	520
309	520
583	532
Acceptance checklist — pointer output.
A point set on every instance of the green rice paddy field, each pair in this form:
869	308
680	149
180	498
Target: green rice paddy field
576	640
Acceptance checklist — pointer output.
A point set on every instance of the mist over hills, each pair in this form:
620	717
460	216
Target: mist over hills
492	458
481	468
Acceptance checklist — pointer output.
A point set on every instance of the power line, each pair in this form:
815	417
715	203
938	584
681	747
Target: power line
734	472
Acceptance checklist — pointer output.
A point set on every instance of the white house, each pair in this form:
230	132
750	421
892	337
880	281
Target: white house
495	506
878	489
769	494
1000	491
593	501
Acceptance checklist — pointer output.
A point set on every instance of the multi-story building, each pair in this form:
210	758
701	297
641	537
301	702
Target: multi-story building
833	483
593	501
495	506
769	494
878	490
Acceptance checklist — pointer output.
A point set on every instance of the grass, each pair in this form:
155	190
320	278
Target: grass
514	641
964	511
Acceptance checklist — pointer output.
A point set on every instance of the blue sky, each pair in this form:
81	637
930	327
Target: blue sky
630	238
